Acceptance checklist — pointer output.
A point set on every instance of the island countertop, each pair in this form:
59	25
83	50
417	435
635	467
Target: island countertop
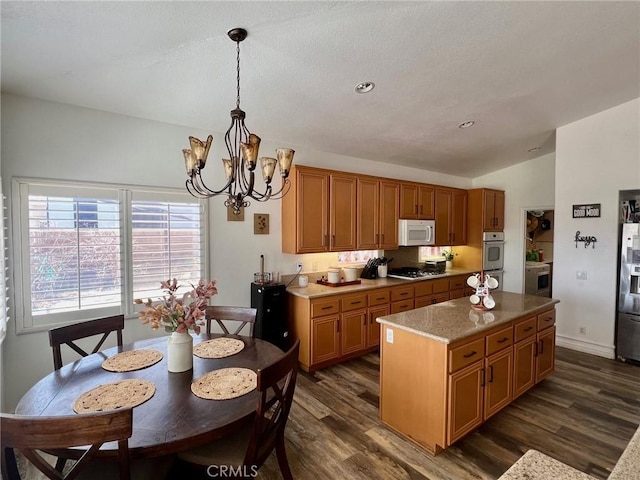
454	320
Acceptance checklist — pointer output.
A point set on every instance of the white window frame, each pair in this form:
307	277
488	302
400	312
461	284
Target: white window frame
25	322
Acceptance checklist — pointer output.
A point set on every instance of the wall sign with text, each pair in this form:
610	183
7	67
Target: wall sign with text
591	210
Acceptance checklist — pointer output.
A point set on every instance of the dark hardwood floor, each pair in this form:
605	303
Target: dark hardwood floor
583	415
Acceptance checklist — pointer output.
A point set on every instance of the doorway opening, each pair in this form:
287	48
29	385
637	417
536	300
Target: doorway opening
537	255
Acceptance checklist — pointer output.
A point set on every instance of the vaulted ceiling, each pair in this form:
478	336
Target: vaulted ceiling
517	69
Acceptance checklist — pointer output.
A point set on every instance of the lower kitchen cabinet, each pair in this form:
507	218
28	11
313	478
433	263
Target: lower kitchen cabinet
467	381
353	326
546	353
373	327
325	343
498	382
465	401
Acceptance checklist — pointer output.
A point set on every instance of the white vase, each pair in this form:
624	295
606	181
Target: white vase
449	264
180	352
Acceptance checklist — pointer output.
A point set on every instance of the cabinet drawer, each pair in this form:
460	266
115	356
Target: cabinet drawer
403	293
441	285
423	288
499	340
354	302
456	283
320	308
546	319
466	354
402	306
379	298
524	329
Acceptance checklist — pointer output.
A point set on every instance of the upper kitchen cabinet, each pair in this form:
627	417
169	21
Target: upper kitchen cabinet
492	202
318	213
451	216
417	201
377	214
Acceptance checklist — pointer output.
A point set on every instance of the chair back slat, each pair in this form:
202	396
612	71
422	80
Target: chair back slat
276	384
67	334
31	434
220	314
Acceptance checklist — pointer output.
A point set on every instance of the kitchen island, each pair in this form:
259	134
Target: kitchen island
446	368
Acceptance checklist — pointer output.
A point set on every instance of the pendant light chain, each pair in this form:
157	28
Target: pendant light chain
238	71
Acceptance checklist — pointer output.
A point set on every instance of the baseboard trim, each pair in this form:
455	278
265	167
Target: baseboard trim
586	347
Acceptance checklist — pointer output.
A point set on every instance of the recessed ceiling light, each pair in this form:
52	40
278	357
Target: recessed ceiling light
364	87
467	124
534	149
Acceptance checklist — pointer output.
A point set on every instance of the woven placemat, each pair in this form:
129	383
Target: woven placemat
132	360
218	348
225	383
111	396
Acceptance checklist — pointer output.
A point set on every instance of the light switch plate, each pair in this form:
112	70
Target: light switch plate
389	335
581	275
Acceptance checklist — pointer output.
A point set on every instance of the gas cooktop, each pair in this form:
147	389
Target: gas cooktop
411	273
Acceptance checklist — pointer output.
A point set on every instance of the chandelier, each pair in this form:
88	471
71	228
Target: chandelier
243	155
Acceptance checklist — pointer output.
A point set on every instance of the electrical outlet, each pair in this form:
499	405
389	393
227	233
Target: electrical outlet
298	266
389	335
581	275
583	330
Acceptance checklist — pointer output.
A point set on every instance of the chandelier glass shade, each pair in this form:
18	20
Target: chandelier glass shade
242	147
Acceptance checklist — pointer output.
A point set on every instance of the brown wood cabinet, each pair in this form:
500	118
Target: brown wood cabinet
417	201
451	216
337	327
534	351
467	381
493	210
319	212
377	214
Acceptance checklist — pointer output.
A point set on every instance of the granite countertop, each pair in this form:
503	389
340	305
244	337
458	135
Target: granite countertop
315	290
450	321
534	465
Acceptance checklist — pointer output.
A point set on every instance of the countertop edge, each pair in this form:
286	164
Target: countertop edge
460	303
315	290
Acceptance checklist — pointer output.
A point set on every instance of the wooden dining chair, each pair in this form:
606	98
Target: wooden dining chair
247	450
31	435
67	335
221	314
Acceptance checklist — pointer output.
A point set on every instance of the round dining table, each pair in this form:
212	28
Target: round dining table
173	419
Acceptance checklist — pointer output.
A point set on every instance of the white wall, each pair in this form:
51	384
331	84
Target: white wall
527	185
49	140
596	157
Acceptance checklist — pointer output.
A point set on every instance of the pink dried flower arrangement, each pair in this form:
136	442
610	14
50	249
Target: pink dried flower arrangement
179	314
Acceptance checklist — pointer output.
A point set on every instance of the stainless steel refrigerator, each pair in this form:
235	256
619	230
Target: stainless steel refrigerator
628	322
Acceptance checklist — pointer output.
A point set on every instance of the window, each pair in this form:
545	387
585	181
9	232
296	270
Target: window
87	252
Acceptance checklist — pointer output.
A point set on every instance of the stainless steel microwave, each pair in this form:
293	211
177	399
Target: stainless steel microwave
416	232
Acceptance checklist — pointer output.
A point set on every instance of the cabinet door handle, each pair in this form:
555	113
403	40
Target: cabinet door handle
420	209
380	298
415	209
325	239
328	307
356	303
403	293
364	320
483	379
469	355
503	339
490	373
535	349
383	238
338	326
528	329
541	346
377	238
333	240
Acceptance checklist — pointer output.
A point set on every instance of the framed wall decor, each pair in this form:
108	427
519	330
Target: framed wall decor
261	223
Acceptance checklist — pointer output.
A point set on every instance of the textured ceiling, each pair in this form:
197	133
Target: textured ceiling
518	69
